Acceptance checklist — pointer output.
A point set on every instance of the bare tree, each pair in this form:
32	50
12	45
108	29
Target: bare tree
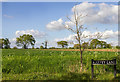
78	29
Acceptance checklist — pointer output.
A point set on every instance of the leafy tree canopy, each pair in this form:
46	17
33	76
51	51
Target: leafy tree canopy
62	43
95	43
4	43
25	40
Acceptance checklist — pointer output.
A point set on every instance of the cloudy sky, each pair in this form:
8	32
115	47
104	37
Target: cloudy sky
44	20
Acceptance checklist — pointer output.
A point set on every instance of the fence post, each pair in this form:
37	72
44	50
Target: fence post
114	68
92	69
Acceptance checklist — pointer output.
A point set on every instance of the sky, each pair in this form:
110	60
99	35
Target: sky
44	20
59	0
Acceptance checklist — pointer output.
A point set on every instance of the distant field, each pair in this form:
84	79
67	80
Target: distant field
36	64
109	50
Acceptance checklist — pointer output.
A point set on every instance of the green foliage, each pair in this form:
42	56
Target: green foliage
62	43
85	45
15	47
109	46
41	47
45	44
95	43
34	64
52	48
71	47
4	43
25	40
37	48
1	43
118	47
76	46
33	48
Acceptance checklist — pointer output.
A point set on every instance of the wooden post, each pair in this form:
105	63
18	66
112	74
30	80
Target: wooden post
115	68
92	69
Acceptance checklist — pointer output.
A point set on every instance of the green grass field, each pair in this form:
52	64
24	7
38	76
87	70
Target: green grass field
35	64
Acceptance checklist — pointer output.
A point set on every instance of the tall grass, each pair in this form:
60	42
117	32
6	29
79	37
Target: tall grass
34	64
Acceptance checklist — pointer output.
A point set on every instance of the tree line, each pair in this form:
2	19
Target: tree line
26	40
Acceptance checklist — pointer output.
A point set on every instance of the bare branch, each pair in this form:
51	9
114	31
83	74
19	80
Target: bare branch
69	28
76	38
70	20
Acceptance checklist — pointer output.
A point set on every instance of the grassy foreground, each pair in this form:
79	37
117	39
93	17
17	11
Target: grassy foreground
35	64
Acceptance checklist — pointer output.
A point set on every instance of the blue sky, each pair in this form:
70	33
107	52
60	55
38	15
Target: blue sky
59	0
22	16
32	16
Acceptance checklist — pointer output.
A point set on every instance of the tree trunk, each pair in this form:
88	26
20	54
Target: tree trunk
25	47
62	46
81	66
45	45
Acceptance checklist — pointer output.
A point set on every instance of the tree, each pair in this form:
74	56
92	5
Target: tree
103	44
25	40
75	24
45	44
85	45
37	48
15	47
62	43
109	46
1	43
41	47
52	48
118	47
76	46
71	47
4	43
94	43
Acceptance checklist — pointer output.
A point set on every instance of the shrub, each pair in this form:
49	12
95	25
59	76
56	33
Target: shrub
41	47
76	46
37	48
71	48
15	47
118	47
52	48
33	48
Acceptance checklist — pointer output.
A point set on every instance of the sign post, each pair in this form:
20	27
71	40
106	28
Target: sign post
115	68
92	69
103	62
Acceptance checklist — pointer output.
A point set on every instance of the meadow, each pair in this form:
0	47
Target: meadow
36	64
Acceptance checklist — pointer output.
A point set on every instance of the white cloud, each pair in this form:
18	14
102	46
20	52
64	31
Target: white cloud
35	33
84	7
106	35
69	38
98	13
55	25
110	34
114	43
101	13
